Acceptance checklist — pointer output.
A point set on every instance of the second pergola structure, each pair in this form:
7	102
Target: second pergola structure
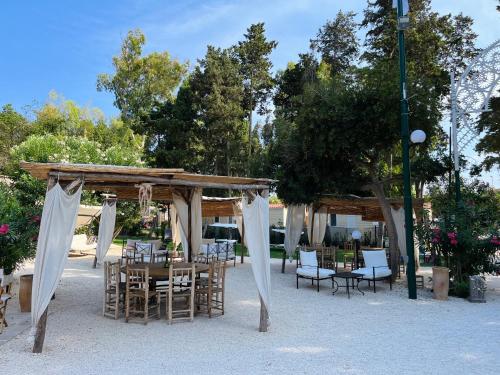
166	185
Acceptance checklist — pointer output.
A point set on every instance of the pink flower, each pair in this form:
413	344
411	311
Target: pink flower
4	229
454	242
435	240
36	219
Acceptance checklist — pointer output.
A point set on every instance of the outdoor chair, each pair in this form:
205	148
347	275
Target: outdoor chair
209	292
376	267
4	298
139	300
181	288
114	289
308	268
144	250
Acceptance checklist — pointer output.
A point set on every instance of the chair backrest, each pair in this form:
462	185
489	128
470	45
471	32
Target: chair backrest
375	258
131	244
348	245
138	278
143	248
155	243
112	274
217	272
207	240
308	258
181	279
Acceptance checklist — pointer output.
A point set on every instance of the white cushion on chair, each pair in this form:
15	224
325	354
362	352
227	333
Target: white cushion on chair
308	258
375	258
313	272
368	272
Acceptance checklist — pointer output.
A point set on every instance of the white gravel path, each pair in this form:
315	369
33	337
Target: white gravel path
311	333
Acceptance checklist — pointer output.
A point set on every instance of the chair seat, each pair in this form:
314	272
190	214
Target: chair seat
379	272
313	272
5	297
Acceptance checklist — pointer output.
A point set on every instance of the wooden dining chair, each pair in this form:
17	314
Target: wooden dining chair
180	297
210	291
144	250
139	300
114	290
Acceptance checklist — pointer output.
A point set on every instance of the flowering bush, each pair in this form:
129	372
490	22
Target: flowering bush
18	231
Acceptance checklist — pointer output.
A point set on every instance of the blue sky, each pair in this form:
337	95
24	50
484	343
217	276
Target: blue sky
64	45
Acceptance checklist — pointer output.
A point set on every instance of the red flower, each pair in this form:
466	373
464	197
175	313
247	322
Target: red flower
36	219
4	229
452	235
454	242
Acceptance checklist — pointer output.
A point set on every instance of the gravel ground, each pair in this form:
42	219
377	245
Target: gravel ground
311	333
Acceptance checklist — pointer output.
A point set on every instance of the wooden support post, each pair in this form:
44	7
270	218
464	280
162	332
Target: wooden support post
190	235
312	227
242	238
95	262
284	261
264	316
40	333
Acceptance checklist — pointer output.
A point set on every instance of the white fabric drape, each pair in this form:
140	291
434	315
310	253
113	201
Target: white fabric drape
256	219
106	229
178	236
320	221
294	226
238	215
196	220
399	221
59	215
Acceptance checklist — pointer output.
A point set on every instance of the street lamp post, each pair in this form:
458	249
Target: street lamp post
405	140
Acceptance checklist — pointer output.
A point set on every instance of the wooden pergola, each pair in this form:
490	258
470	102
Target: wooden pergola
125	182
367	207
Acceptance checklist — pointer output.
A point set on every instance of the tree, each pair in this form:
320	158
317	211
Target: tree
346	125
141	82
13	130
489	126
217	92
337	43
255	68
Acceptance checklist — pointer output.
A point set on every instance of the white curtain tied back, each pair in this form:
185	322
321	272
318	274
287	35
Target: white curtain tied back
238	215
320	221
60	211
106	229
181	207
294	226
256	219
145	197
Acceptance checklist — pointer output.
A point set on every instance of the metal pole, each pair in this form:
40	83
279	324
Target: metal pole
405	140
456	152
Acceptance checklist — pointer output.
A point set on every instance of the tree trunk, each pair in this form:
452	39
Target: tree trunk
378	190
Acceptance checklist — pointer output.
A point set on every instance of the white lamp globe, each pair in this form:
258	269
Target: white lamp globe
356	235
417	136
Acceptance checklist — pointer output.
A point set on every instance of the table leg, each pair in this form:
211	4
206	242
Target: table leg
347	287
357	286
283	264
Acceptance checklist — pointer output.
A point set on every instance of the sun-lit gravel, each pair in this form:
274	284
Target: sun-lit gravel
311	333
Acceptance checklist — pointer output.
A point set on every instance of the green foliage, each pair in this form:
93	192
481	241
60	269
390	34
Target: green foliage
489	127
14	128
463	237
19	229
140	83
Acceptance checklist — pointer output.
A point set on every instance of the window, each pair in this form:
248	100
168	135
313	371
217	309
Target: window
333	220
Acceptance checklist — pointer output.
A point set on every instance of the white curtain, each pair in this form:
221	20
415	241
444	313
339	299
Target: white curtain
294	226
239	219
196	220
320	221
399	221
106	229
59	215
256	219
178	236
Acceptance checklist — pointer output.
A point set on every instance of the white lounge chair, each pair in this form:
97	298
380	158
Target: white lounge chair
376	267
308	268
